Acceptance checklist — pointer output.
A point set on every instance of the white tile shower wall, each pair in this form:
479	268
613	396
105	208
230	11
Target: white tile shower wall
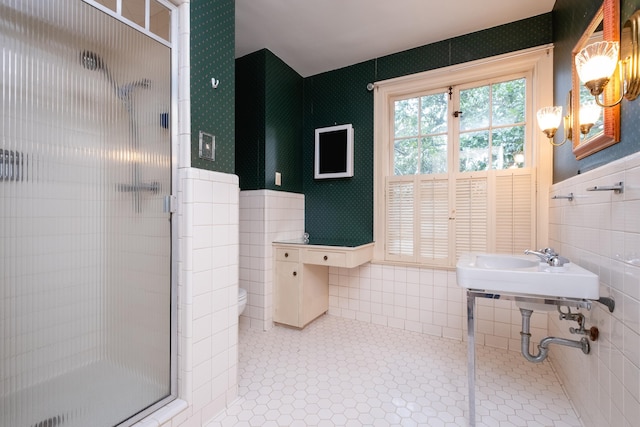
54	225
424	300
265	216
601	232
207	293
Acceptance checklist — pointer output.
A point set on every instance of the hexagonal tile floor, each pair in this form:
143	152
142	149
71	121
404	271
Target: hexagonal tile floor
341	372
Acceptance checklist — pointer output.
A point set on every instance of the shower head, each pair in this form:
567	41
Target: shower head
91	60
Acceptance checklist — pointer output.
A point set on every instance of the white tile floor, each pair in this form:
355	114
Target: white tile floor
344	372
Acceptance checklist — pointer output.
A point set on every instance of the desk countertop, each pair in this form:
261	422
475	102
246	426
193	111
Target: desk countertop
325	242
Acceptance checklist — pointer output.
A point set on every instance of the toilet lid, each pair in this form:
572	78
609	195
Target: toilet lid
242	293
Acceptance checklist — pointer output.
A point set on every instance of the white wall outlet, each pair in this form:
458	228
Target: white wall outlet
278	178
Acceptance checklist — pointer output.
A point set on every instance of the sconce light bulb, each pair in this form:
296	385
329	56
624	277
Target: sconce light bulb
589	114
596	63
549	120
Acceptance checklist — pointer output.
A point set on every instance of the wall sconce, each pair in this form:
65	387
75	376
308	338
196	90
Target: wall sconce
549	121
596	63
519	158
518	161
589	115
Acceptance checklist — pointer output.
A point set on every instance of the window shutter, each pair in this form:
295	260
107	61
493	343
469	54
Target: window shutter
514	211
400	219
434	221
471	215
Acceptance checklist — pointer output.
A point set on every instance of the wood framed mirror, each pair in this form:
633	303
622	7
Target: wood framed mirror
604	26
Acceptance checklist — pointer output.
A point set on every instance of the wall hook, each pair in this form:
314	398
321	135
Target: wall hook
214	83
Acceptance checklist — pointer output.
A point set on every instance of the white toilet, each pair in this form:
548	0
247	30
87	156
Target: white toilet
242	300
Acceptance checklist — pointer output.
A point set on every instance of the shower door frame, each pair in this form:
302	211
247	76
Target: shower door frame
170	200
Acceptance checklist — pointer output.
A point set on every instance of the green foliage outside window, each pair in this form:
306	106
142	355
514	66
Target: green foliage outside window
421	135
491	129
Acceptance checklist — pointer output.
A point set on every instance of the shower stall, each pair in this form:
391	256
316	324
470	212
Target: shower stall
86	301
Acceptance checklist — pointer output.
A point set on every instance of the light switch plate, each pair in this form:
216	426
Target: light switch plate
278	178
207	146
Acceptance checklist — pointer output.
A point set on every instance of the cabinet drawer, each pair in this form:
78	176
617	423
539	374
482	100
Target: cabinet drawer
287	255
334	259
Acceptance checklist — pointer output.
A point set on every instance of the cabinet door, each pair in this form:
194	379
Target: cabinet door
315	292
287	293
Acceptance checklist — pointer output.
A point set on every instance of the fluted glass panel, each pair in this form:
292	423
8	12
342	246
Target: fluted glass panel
85	164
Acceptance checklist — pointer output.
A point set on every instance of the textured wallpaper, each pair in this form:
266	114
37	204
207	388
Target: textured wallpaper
250	109
343	208
213	56
269	101
570	18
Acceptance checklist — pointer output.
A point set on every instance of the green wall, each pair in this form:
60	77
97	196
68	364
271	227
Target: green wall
570	19
213	55
250	108
269	130
272	134
343	208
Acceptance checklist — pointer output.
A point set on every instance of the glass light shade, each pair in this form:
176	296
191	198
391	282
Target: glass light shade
549	117
589	114
518	158
597	61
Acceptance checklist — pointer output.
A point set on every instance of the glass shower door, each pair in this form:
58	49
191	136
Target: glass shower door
85	244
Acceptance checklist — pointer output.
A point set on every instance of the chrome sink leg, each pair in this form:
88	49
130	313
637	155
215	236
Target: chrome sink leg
471	357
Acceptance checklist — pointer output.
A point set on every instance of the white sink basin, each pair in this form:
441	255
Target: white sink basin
525	275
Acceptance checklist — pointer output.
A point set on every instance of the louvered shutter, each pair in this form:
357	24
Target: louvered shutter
434	221
400	219
514	211
471	215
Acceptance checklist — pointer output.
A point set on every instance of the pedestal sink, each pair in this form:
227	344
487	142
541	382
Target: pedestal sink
525	275
524	279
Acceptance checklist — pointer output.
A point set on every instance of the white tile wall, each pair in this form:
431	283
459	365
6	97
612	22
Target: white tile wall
424	300
208	258
601	232
207	294
265	216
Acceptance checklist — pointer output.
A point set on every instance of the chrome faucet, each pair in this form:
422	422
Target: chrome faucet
548	255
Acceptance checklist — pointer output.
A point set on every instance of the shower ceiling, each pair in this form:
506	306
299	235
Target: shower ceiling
317	36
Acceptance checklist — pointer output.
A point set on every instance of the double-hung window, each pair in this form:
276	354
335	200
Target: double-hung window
456	166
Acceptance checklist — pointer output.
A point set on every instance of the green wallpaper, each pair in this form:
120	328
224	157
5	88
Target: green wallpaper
283	125
570	18
343	208
269	101
250	109
213	55
506	38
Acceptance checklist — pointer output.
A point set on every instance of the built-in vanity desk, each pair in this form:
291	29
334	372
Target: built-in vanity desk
301	276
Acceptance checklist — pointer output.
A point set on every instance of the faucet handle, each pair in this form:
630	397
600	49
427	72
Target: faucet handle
549	256
558	261
549	251
544	257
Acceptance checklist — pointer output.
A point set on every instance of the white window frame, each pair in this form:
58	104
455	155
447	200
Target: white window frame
538	62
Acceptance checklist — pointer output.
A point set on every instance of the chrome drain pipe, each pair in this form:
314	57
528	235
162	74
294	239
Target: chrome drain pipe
543	347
